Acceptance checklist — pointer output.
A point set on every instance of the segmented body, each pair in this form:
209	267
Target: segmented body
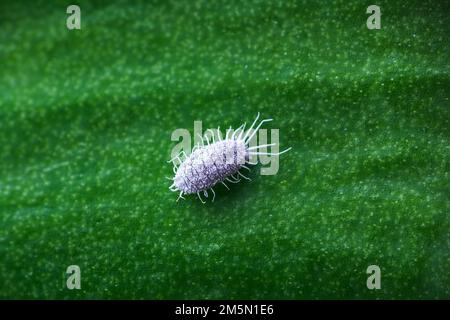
209	165
219	162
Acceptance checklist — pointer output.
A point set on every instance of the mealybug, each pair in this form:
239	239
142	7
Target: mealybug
218	162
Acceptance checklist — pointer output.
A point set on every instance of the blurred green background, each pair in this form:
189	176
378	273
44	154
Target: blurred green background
85	124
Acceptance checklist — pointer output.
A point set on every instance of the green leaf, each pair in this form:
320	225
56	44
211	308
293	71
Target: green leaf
86	118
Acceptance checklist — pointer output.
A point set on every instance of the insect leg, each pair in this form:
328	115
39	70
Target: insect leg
219	135
183	154
198	194
195	147
227	133
244	176
236	131
225	185
201	138
242	131
180	196
177	157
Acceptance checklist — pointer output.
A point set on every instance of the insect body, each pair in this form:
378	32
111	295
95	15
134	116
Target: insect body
218	162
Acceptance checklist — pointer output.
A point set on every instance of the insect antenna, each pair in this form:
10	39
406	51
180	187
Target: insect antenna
261	146
257	128
251	127
207	139
235	178
270	153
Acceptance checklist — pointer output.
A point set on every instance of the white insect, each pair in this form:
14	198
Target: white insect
218	162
